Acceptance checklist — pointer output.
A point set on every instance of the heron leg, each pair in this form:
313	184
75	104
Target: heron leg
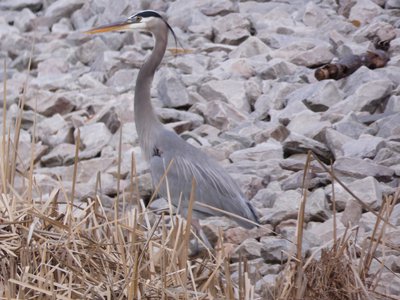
197	248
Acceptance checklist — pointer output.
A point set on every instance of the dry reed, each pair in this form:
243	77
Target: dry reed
73	250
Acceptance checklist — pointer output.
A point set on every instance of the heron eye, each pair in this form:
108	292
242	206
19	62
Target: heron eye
138	19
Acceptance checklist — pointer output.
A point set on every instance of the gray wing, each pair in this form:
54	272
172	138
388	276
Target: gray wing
214	186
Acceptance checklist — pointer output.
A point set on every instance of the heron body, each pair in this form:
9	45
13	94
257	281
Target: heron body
162	147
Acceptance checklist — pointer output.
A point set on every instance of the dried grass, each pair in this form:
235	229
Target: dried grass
71	250
47	254
341	269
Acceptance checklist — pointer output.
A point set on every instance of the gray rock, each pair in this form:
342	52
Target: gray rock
236	68
367	190
252	46
306	53
360	77
91	80
323	232
87	169
110	119
325	95
250	249
190	63
33	5
108	184
288	230
52	67
230	91
393	104
249	183
180	126
296	143
368	97
45	185
220	114
131	158
285	207
317	208
389	283
296	181
94	136
386	154
249	133
313	15
335	140
253	90
308	124
91	51
298	163
179	17
275	250
276	68
365	147
231	29
352	214
54	83
265	285
123	80
361	168
222	150
318	96
12	92
223	7
253	267
350	126
27	153
49	105
212	225
389	126
62	8
25	20
395	216
208	133
199	25
264	151
28	118
275	131
392	4
24	135
171	90
266	197
61	155
365	11
63	26
269	170
54	130
174	115
239	234
271	99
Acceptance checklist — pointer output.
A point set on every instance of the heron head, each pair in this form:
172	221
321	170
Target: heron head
147	20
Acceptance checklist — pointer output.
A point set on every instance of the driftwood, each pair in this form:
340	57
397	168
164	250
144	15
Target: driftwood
348	64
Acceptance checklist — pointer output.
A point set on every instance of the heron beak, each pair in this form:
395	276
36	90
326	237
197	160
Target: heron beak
117	26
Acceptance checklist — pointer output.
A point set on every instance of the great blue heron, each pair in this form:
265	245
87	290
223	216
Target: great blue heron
214	186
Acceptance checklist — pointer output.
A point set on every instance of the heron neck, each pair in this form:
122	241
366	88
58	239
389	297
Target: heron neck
147	123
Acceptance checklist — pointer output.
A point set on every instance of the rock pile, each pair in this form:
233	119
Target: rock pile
246	93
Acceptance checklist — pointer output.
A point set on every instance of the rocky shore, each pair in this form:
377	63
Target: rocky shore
244	92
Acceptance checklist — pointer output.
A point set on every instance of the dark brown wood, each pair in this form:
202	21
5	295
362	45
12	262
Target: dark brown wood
344	67
348	64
